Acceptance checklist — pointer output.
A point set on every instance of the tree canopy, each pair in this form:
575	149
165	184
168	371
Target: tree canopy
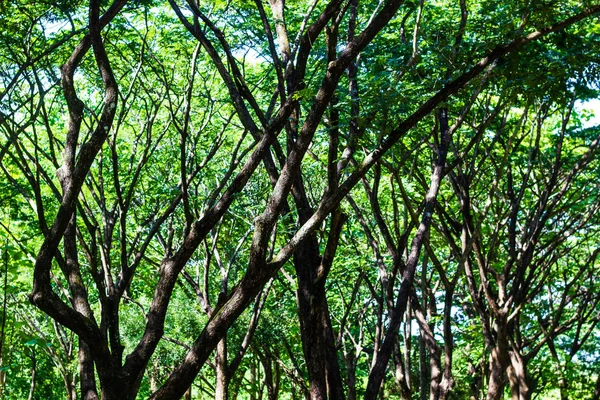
299	199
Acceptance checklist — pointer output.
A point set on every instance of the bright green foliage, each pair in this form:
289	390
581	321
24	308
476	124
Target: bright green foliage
516	215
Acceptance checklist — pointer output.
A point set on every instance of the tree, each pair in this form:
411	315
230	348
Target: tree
185	157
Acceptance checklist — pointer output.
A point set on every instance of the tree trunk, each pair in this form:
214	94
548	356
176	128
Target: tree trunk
497	379
3	325
69	380
309	311
318	341
351	376
402	375
518	378
447	379
153	376
499	362
435	376
2	381
71	271
423	370
407	350
270	377
597	389
253	382
222	379
87	378
33	375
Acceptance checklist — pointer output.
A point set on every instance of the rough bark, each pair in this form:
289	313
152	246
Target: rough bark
222	379
498	362
313	312
87	379
517	377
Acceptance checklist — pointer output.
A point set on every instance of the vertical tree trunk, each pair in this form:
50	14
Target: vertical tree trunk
423	371
499	362
517	376
435	361
407	347
222	380
306	261
318	341
597	389
70	385
435	376
33	374
351	376
270	376
73	386
87	378
253	381
497	379
447	379
3	325
152	376
476	371
402	376
2	380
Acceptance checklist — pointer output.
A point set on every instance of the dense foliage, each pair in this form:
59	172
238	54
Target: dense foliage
299	199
